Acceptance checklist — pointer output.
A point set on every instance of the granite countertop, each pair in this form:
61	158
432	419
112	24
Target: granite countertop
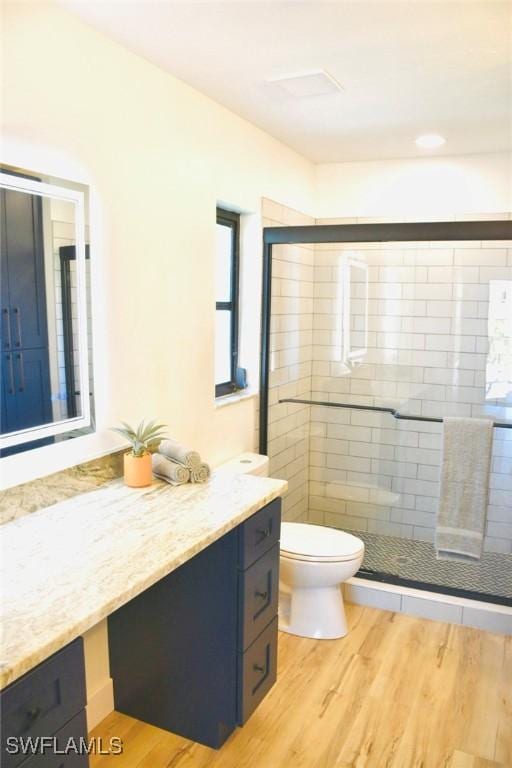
66	567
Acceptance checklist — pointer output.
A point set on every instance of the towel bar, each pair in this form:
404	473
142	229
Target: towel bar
379	409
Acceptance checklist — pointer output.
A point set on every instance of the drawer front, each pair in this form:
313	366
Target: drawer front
259	533
75	729
258	670
43	700
259	593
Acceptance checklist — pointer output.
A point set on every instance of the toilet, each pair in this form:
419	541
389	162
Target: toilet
245	464
314	562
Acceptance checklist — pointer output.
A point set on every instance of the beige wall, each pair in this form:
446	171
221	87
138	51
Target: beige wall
158	156
422	189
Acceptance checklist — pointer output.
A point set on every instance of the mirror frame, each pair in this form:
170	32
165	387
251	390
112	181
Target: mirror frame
33	187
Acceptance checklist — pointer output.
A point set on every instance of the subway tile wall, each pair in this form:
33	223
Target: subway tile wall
291	355
429	320
427	350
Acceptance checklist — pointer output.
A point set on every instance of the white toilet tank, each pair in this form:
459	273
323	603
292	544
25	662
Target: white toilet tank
246	464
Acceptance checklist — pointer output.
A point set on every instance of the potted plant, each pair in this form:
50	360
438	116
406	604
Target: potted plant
137	462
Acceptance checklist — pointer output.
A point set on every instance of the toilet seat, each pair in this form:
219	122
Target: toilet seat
318	544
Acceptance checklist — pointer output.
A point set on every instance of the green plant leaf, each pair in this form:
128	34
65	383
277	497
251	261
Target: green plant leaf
156	435
152	430
145	435
153	442
128	428
157	429
146	430
139	431
124	433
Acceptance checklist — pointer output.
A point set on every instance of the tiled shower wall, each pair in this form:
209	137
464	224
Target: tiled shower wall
427	352
290	361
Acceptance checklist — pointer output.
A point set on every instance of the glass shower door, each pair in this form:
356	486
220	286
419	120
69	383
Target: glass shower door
421	328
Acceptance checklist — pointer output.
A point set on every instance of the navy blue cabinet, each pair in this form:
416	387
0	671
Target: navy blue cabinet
26	379
26	395
197	652
258	594
194	654
48	701
23	254
173	648
62	756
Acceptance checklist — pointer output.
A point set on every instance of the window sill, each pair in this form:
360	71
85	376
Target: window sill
237	397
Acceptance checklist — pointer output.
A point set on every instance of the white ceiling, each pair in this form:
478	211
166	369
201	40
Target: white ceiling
406	67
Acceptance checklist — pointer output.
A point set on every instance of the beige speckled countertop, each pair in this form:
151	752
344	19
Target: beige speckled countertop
66	567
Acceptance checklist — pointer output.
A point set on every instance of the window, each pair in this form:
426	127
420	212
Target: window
228	376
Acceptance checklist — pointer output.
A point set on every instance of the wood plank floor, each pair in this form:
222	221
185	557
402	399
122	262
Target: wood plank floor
397	692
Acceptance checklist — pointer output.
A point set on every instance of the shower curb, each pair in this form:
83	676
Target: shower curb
429	605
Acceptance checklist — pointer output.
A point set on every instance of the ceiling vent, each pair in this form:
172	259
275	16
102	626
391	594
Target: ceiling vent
306	84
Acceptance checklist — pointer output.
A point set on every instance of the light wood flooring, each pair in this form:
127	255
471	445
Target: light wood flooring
397	692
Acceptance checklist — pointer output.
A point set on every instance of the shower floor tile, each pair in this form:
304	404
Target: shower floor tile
416	561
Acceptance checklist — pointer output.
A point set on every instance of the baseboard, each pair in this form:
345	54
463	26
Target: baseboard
429	605
100	704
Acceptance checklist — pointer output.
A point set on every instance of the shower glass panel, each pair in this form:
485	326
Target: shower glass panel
421	327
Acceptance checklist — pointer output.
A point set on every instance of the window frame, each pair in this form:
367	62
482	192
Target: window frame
232	220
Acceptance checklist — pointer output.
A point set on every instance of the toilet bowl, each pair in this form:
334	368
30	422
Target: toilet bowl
314	561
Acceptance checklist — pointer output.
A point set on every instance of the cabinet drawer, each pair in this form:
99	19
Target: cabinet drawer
259	533
259	593
43	700
76	728
258	670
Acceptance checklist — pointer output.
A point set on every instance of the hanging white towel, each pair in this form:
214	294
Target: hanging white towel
465	468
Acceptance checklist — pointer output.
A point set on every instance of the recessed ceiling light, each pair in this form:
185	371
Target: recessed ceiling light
430	141
307	84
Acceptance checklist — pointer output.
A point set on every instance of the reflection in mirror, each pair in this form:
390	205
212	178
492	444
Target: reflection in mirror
499	360
47	381
355	309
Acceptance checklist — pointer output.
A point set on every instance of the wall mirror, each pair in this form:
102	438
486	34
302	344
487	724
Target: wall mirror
355	309
46	377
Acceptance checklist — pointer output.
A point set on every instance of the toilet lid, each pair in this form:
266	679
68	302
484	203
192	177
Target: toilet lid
302	541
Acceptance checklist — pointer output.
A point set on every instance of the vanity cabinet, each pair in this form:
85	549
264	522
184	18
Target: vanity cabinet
196	653
258	595
49	701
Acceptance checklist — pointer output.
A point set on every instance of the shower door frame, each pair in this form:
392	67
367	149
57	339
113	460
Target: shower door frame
312	234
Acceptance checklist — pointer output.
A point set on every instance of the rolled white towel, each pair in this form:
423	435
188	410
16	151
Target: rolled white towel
170	471
200	474
178	452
